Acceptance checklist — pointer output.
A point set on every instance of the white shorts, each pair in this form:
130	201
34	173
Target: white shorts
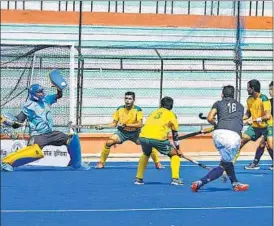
227	142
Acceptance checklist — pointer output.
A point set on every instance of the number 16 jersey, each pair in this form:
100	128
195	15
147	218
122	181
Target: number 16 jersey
229	114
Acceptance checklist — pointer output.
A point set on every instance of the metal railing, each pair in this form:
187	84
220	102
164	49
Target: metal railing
252	8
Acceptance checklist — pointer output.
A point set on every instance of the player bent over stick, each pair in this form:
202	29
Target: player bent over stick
37	111
154	135
128	119
226	137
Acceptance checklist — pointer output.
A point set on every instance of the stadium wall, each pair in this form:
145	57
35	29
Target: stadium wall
131	19
93	143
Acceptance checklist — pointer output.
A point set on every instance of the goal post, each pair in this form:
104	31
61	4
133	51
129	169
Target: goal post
26	64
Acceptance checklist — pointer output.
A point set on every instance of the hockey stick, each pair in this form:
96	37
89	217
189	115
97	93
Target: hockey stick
83	126
223	177
203	131
208	130
196	162
202	117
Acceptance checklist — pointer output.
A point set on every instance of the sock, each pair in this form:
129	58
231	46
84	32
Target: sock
212	175
175	163
104	154
155	156
270	151
258	155
142	166
229	169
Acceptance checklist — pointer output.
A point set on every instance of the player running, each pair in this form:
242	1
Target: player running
226	137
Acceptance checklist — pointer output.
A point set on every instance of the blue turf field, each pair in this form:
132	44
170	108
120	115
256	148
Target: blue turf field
57	196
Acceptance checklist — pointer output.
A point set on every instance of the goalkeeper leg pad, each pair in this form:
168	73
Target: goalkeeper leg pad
24	156
74	150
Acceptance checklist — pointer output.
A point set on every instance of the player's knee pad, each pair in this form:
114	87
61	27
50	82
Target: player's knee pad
23	156
74	150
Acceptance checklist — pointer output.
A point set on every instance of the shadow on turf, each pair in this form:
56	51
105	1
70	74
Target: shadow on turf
35	169
214	189
157	183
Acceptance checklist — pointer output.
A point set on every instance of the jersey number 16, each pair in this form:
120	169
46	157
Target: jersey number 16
231	107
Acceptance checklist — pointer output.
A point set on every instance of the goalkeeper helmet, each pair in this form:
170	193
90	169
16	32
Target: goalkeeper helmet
36	92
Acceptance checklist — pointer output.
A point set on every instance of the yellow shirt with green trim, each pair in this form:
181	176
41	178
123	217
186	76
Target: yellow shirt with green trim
159	123
125	116
257	107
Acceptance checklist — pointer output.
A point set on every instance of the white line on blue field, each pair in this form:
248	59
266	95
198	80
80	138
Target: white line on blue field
137	209
125	165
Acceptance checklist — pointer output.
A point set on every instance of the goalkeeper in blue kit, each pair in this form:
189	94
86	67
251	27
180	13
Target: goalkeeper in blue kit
37	112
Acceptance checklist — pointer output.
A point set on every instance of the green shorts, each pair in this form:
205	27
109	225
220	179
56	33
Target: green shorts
163	146
269	132
256	133
125	135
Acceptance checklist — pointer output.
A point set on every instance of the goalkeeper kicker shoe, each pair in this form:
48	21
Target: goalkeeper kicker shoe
6	167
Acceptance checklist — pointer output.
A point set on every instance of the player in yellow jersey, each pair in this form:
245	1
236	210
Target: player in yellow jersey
257	116
128	119
260	150
154	134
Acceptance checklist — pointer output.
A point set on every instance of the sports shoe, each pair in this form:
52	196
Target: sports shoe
240	187
159	165
83	167
139	181
195	186
6	167
252	166
100	165
271	167
177	182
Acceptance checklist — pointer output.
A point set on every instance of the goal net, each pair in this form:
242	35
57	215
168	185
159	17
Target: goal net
24	65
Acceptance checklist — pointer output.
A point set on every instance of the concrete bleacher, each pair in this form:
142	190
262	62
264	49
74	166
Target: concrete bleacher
133	37
189	75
